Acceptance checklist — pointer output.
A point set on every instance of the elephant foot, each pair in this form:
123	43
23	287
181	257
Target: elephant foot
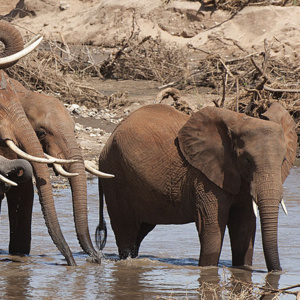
94	259
209	259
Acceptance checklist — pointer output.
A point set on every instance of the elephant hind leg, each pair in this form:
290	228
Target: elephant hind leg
126	231
130	239
145	228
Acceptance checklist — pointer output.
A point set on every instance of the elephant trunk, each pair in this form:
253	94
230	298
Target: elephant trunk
79	198
31	145
269	194
49	212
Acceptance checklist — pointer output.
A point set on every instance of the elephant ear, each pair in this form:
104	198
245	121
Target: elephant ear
278	114
206	144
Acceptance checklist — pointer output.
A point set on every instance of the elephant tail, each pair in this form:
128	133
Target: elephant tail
101	230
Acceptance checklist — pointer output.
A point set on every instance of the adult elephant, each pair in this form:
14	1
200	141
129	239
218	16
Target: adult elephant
17	133
208	168
55	129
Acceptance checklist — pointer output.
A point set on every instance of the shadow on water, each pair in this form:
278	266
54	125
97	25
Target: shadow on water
167	267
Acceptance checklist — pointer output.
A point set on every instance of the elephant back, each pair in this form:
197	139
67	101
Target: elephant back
142	137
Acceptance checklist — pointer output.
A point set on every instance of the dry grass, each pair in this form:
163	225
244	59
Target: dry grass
57	71
247	82
231	288
149	59
235	6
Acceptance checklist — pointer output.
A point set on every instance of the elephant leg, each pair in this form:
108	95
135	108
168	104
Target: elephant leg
241	227
211	222
126	242
129	237
144	230
20	202
211	240
126	229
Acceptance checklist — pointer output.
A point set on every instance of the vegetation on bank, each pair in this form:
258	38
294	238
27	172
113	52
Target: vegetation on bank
244	82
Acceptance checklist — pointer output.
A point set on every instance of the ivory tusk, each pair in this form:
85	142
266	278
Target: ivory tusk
27	156
60	170
32	40
6	180
283	207
255	208
93	171
30	47
60	160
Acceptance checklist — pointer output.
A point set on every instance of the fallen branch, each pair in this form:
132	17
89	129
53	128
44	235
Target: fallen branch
269	89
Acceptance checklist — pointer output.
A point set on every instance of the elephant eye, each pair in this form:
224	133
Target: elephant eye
247	160
41	134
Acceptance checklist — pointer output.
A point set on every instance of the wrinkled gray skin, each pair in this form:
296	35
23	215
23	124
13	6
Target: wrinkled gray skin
15	126
208	168
55	128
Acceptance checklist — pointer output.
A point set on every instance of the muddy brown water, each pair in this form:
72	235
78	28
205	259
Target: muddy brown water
167	266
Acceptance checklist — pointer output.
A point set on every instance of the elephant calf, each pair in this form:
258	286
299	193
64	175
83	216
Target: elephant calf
211	168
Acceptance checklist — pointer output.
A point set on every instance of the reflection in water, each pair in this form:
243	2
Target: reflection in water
15	282
167	266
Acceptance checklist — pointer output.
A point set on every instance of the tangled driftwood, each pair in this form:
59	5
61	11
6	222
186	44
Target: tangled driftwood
246	82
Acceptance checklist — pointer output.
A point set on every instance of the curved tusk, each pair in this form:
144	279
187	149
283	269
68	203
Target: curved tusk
60	160
60	170
6	180
255	208
37	37
30	47
93	171
27	156
283	207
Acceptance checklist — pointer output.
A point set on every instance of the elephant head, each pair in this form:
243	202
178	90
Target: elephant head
15	130
232	150
55	129
12	172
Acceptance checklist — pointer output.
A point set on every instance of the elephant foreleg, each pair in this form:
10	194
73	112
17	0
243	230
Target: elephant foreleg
212	210
20	202
241	227
211	240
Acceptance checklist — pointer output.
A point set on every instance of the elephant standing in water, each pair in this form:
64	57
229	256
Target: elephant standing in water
54	127
211	168
17	133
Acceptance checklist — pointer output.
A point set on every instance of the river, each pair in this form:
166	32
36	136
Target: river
166	269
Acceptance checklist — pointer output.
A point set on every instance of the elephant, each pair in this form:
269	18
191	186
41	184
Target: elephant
17	134
12	172
55	128
214	168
